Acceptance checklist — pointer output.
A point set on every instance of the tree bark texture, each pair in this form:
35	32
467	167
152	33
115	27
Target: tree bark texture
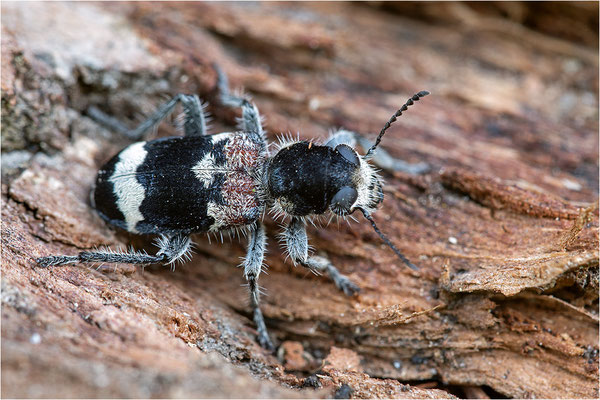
504	227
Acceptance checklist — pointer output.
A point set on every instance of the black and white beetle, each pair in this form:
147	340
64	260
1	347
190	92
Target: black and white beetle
176	186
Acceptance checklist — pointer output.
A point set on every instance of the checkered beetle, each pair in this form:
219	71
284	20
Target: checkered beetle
175	186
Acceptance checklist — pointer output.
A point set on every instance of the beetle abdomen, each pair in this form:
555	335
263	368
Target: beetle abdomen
181	185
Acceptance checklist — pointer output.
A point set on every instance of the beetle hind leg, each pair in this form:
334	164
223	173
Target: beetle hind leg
172	248
103	256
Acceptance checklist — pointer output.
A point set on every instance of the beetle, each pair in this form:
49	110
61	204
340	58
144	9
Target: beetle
176	186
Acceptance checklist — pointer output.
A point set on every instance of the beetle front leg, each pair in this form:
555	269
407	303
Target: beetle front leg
296	242
252	268
381	158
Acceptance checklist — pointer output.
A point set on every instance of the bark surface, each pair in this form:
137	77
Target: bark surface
504	227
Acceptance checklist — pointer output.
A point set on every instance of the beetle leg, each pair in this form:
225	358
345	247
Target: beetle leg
381	158
342	136
171	249
194	116
194	122
252	268
296	242
251	120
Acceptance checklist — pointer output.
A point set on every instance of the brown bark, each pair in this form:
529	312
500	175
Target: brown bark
504	227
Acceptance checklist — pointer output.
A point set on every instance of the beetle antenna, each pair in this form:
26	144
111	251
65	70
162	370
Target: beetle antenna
387	241
398	113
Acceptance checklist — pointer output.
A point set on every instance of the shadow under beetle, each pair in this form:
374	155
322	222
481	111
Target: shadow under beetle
176	186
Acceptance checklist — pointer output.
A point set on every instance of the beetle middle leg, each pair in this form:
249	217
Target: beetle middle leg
252	268
381	158
296	242
171	249
251	120
194	118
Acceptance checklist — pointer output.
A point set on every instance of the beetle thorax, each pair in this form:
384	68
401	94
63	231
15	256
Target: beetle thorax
303	178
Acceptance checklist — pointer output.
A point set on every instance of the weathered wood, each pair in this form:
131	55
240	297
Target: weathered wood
504	226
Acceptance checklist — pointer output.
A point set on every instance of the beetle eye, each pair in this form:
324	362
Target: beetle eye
343	200
348	153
